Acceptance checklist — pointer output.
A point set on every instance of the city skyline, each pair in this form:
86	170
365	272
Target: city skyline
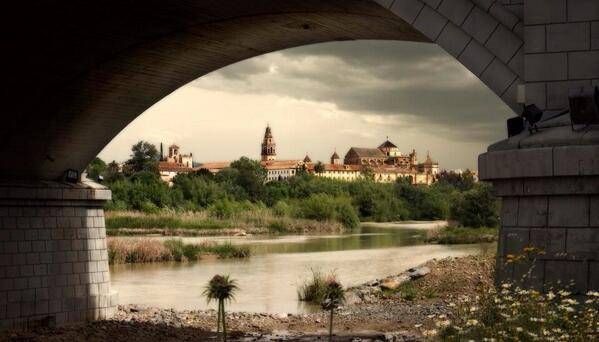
326	97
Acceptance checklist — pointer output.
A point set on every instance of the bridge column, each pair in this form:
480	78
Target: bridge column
53	256
549	186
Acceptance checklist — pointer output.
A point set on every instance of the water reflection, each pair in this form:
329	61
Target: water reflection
269	279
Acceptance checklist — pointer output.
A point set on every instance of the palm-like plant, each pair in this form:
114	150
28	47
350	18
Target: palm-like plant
221	288
334	297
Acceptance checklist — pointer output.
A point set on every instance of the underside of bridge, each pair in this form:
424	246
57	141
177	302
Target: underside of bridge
80	71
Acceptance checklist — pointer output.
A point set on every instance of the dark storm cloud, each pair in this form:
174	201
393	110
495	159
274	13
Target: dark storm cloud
416	82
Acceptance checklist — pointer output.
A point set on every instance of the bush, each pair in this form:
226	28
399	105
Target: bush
314	289
476	208
346	214
149	208
224	209
282	209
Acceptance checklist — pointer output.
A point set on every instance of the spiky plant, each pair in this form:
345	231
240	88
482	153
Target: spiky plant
334	297
221	288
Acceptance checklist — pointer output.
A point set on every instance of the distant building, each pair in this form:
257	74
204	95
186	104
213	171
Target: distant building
174	163
385	163
177	158
269	148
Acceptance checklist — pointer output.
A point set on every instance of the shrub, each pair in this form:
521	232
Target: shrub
314	289
476	208
149	208
115	205
281	209
223	209
346	214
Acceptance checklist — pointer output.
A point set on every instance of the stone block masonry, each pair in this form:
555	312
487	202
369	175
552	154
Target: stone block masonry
550	200
53	256
561	49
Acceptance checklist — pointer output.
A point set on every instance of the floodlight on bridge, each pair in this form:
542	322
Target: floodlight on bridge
584	106
71	176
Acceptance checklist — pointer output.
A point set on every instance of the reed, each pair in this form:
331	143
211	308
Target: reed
145	250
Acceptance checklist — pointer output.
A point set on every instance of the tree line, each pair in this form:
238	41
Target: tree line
241	186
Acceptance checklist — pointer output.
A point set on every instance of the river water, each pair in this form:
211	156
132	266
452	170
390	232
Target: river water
269	279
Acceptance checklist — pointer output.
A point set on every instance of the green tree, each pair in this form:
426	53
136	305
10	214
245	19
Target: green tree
96	168
221	288
461	181
144	157
319	167
250	176
476	208
112	173
368	173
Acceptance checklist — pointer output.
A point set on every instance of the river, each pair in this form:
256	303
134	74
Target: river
269	279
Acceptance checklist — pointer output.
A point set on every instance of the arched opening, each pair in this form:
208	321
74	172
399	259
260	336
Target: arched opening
96	82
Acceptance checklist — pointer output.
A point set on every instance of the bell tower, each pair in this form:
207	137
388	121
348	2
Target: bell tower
269	148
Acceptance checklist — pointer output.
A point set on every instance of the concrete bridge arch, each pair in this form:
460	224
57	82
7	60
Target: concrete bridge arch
81	71
97	67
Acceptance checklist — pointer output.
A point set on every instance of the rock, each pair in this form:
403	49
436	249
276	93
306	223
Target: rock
390	284
418	272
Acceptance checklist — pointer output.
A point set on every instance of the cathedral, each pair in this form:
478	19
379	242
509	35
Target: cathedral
385	162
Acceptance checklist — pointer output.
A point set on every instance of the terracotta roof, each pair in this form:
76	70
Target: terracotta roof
173	167
214	165
387	144
280	164
364	152
337	167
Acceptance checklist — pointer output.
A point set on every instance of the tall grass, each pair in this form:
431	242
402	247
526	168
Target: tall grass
314	289
169	221
146	250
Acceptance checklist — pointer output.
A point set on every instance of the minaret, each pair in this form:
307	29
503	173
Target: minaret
269	148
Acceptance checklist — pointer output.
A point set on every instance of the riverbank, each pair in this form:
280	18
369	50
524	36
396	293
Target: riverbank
126	251
202	223
462	235
389	316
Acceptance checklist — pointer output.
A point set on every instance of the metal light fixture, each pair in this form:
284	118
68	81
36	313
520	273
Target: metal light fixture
71	176
515	126
584	106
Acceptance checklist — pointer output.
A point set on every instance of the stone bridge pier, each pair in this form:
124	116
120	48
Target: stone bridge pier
53	258
549	186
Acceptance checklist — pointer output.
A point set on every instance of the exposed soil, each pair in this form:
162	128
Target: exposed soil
383	315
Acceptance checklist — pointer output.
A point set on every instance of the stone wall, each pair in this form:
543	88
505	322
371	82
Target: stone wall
550	201
53	257
561	49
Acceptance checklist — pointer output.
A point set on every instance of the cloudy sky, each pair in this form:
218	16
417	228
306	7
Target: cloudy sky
329	96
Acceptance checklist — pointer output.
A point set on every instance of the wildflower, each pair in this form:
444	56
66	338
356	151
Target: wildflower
550	295
417	325
471	322
564	293
519	329
593	294
431	332
443	324
473	308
